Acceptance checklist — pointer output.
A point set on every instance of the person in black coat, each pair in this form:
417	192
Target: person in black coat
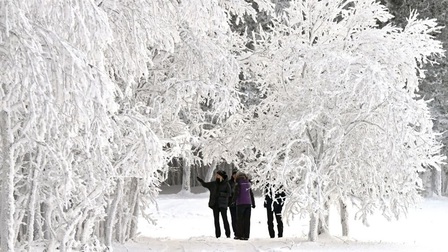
273	202
219	200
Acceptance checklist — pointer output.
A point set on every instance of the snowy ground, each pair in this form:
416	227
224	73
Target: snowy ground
185	223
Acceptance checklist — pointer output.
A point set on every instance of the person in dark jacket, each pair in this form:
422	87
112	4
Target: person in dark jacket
232	206
273	202
244	200
219	200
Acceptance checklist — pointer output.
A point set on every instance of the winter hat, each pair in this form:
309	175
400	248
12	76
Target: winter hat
241	175
222	174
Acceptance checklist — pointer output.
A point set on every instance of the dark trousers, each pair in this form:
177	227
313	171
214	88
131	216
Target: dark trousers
278	217
223	212
233	217
243	221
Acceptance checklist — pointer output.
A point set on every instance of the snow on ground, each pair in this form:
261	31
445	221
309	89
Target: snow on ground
185	223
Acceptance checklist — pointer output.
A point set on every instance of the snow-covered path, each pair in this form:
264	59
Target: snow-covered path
185	223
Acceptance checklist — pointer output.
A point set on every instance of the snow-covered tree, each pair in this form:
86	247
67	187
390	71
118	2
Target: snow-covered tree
434	86
96	97
55	100
339	121
193	88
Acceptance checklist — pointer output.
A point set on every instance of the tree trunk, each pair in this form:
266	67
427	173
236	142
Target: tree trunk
437	181
45	224
135	210
19	215
344	218
443	180
427	183
324	220
79	230
38	223
99	229
32	203
112	212
312	234
7	185
129	218
89	224
119	226
186	175
47	209
67	238
210	170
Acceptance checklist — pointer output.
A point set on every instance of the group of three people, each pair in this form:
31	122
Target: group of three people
237	194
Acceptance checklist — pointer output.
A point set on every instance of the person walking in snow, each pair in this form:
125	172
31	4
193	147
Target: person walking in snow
273	202
244	200
232	206
219	200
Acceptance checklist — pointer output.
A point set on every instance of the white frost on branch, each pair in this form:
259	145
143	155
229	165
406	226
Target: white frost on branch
338	118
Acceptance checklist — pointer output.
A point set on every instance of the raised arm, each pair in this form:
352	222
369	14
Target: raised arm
203	183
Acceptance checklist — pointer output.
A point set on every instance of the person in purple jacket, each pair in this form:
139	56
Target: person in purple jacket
244	200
